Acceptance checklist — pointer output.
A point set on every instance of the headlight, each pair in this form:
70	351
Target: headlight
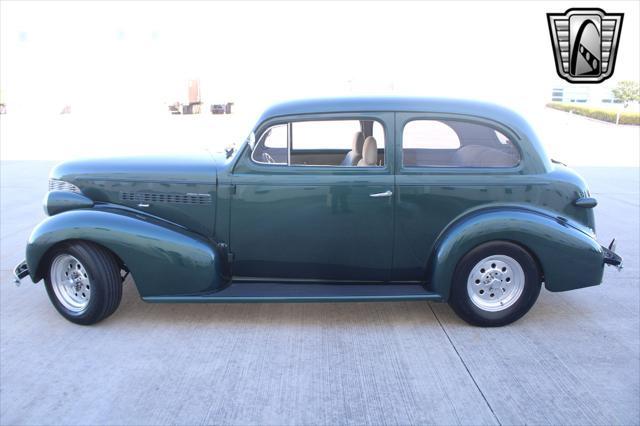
60	185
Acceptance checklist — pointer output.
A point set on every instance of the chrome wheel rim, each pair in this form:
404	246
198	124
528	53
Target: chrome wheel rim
495	283
70	282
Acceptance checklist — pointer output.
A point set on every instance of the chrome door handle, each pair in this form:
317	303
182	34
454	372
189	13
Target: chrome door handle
381	194
143	205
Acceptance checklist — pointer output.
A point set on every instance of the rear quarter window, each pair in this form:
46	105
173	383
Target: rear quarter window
453	143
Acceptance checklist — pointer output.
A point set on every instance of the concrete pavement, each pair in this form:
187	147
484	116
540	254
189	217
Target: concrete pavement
574	359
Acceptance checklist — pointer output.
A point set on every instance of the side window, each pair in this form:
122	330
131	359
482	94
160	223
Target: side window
429	134
343	143
272	146
335	143
323	135
452	143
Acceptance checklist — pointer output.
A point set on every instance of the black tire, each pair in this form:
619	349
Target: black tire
468	310
103	273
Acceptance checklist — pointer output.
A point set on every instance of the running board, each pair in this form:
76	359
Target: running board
242	292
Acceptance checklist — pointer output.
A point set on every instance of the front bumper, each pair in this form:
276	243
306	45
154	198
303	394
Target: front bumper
612	258
20	271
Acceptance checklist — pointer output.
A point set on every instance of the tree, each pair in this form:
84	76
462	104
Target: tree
627	91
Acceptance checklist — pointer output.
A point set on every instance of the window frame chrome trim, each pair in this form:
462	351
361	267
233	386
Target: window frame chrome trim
262	136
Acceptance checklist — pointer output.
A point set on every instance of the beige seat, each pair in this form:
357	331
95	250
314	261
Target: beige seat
355	155
369	152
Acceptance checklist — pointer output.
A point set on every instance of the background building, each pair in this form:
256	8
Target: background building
584	93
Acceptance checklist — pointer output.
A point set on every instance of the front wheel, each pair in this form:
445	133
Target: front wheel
495	284
83	282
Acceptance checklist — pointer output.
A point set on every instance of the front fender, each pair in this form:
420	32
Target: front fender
569	258
164	259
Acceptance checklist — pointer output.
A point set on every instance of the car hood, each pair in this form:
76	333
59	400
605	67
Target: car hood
188	168
180	189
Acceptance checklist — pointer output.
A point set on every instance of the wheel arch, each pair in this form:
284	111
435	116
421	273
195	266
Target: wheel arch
46	256
164	258
553	245
534	256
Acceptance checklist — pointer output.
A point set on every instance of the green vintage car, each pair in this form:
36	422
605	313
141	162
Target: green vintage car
358	199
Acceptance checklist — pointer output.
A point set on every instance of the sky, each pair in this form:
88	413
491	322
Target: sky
138	56
118	65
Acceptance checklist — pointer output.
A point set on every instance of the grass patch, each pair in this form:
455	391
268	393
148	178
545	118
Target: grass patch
598	113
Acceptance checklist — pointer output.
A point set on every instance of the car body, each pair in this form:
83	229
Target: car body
294	214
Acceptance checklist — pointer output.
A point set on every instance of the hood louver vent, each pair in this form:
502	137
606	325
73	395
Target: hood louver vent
146	197
60	185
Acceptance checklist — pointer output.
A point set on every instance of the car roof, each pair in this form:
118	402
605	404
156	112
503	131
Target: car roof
399	104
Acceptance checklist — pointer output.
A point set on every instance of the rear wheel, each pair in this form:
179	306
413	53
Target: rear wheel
83	282
495	284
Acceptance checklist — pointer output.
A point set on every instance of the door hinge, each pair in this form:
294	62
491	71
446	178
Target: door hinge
233	189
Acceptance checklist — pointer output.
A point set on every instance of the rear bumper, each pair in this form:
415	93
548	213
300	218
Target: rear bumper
20	271
612	258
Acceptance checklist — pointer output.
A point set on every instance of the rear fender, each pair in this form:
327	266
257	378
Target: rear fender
163	258
567	257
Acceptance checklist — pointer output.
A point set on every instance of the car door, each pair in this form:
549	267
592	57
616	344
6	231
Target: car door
447	165
298	213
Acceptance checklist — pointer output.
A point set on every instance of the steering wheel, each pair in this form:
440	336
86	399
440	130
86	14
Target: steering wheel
268	158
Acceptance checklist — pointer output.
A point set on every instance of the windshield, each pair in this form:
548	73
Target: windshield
228	135
233	146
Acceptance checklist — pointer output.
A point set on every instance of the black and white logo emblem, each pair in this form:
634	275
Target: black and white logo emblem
585	43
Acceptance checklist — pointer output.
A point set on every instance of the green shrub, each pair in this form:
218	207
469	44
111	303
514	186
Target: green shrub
598	113
630	118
